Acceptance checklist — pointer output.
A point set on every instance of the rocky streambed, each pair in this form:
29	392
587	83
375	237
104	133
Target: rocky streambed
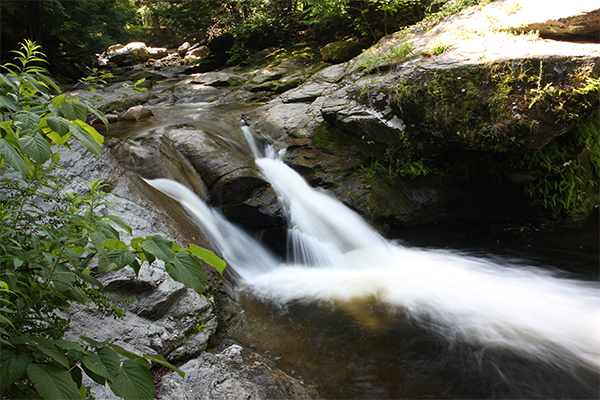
460	122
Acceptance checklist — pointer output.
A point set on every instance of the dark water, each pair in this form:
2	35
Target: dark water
371	352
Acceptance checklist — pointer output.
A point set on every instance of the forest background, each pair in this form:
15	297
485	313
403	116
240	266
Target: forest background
74	31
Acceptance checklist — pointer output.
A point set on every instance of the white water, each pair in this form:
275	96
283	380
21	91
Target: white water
336	257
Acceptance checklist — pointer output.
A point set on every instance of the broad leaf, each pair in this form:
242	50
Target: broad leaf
36	147
27	120
117	259
160	248
58	125
74	110
100	380
209	257
91	130
133	382
92	341
130	355
12	366
111	360
88	140
53	382
120	223
187	270
96	112
48	347
9	102
12	156
157	358
95	364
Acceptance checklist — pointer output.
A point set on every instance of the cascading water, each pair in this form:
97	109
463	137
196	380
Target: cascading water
337	258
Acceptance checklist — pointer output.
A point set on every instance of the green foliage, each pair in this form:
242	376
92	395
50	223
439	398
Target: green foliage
440	9
54	242
373	60
69	30
570	169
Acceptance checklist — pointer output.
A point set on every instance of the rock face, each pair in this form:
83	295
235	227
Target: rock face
232	373
431	126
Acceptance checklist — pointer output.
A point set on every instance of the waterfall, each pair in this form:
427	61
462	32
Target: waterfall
336	258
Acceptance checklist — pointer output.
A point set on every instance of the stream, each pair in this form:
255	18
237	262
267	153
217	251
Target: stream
425	315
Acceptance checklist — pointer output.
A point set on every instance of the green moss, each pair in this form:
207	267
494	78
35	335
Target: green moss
571	170
377	60
332	140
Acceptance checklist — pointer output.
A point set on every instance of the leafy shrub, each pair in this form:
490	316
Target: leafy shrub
51	241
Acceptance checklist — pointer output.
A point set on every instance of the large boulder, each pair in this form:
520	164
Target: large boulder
130	54
233	183
341	51
431	128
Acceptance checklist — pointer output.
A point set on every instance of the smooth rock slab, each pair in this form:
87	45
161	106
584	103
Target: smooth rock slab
233	374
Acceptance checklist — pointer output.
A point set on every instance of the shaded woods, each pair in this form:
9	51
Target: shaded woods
75	30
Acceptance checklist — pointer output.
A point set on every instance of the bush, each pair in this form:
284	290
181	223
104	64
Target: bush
51	241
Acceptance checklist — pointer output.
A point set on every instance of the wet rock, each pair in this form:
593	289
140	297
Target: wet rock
234	183
154	157
137	113
232	373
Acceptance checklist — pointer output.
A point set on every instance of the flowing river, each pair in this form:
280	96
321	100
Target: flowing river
362	316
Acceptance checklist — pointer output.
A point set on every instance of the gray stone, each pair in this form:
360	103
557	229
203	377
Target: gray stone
137	113
231	374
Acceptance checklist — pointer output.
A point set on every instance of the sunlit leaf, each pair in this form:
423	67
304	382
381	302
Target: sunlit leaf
209	257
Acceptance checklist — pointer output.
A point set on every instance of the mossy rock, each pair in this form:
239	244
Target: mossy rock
341	51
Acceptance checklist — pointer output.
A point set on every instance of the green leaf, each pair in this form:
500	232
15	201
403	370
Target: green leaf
12	366
88	140
187	270
9	102
96	112
36	147
100	380
12	156
157	358
111	360
74	110
85	275
92	362
160	248
120	223
48	347
53	382
209	257
116	260
92	341
26	120
130	355
133	382
58	125
91	130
